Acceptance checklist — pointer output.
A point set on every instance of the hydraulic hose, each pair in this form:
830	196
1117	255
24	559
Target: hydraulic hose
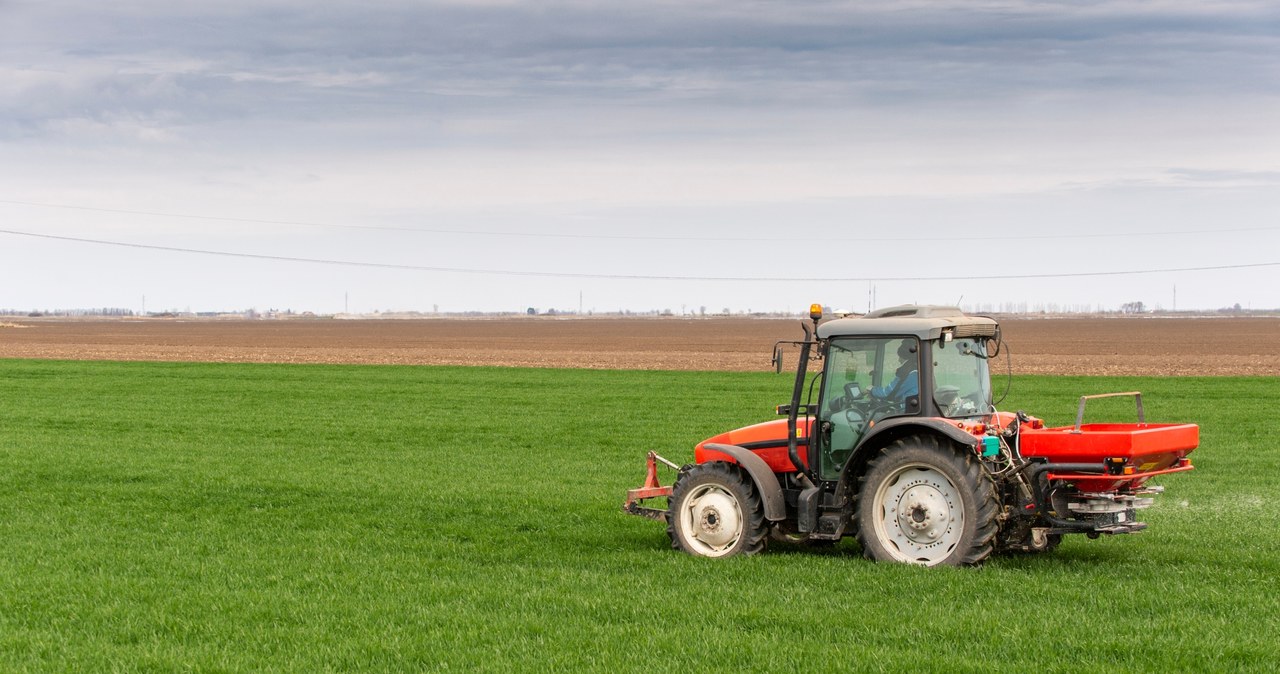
1036	469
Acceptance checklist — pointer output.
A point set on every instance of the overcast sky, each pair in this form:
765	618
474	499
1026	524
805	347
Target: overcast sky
638	155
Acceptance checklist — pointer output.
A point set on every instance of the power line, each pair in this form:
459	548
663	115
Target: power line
626	277
628	237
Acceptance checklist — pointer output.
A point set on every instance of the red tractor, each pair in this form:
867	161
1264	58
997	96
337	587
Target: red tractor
897	443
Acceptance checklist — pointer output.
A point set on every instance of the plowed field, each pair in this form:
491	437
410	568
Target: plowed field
1083	346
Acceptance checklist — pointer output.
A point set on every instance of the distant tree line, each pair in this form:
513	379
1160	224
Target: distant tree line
35	313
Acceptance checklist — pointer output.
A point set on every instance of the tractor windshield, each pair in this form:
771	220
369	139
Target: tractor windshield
962	385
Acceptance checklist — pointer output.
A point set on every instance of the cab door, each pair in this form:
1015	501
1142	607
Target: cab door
866	379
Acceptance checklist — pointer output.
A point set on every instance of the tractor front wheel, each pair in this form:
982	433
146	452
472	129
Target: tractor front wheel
923	501
715	512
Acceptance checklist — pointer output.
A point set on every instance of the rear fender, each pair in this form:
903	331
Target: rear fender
775	506
889	430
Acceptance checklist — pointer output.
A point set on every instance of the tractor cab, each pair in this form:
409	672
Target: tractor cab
892	364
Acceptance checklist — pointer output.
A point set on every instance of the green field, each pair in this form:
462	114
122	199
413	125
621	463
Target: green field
257	517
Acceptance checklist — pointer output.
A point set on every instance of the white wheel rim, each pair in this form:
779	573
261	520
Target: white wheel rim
712	520
919	515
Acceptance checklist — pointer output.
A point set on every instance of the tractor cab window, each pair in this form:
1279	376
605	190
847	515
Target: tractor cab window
867	379
962	386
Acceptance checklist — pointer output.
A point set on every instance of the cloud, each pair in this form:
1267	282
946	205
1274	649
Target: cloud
1221	178
844	97
81	129
713	53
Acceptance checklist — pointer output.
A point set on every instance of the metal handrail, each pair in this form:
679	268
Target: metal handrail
1137	396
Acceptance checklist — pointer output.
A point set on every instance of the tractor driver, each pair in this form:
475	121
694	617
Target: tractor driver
906	378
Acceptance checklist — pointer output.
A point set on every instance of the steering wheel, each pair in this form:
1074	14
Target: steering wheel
864	405
874	406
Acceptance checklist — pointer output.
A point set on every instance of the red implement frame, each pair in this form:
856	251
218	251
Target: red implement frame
1183	465
650	489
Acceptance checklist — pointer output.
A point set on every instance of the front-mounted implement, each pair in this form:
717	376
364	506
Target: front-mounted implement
891	436
649	490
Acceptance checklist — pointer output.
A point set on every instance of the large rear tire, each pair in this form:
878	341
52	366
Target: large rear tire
715	512
925	501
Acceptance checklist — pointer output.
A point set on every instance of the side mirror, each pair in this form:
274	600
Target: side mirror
777	359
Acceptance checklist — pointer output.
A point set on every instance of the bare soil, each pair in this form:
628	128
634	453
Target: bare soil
1067	346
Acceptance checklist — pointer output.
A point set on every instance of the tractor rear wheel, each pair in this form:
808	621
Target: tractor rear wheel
715	512
925	501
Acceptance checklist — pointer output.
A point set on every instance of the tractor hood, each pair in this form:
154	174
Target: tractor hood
767	440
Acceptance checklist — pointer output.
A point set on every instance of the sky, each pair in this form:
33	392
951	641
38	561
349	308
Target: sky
392	155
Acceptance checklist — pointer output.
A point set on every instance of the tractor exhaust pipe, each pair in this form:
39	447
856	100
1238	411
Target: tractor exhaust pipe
793	413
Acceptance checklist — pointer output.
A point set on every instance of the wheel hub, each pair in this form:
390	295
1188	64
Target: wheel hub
716	518
921	515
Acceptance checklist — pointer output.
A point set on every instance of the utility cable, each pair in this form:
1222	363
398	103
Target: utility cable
625	277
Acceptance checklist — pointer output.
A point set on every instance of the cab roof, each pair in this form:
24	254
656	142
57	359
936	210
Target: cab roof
925	322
